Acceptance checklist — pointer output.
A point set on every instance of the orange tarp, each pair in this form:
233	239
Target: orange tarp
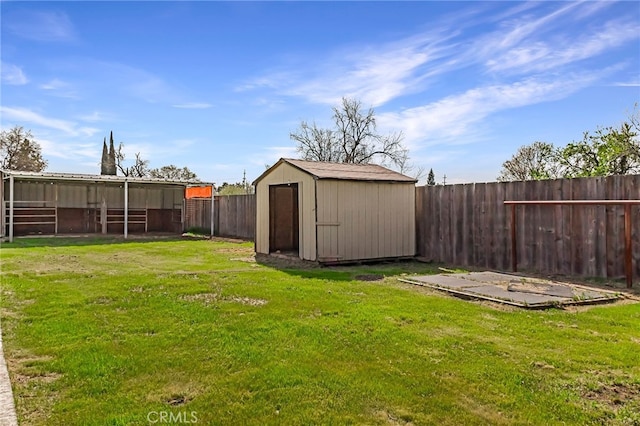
198	192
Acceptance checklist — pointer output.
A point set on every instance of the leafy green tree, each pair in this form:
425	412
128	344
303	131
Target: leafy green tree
607	151
19	151
172	172
237	188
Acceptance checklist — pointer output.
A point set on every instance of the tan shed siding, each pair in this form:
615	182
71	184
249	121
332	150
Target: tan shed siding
374	220
327	219
284	174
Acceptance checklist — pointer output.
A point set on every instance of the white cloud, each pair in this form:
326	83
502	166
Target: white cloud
272	155
628	84
373	74
539	56
193	105
518	42
94	117
457	118
12	74
60	89
45	26
25	115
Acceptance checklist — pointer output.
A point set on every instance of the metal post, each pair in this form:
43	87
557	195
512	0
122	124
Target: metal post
126	208
212	210
514	245
55	189
11	182
103	215
628	264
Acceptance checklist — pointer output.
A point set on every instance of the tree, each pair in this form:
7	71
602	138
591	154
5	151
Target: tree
608	151
104	168
140	167
352	140
239	188
431	178
532	162
19	151
172	172
108	161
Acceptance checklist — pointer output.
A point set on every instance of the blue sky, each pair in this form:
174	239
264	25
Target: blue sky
218	86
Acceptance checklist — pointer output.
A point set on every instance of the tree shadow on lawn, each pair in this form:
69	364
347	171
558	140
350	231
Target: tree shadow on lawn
362	271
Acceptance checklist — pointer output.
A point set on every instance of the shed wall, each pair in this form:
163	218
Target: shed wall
365	220
283	174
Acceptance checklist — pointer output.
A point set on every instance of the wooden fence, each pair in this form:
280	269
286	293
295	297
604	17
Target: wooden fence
234	215
469	225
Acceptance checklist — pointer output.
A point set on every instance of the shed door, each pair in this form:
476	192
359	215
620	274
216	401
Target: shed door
283	218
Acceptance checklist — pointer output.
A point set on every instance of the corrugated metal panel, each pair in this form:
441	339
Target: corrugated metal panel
365	220
283	174
154	198
172	198
72	195
137	198
114	196
35	191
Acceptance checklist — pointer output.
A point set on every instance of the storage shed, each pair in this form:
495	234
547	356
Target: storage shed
63	203
334	212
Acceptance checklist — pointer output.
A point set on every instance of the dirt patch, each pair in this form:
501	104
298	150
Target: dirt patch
285	262
614	394
235	250
614	389
244	259
211	298
177	400
246	300
206	298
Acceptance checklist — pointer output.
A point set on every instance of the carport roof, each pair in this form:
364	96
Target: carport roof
343	171
51	176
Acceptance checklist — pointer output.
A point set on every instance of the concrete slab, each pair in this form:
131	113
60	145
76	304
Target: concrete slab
497	292
449	281
513	289
559	290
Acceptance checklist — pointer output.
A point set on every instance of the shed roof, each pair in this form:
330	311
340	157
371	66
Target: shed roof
78	177
343	171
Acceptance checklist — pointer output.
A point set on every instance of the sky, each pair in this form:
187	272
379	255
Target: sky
219	86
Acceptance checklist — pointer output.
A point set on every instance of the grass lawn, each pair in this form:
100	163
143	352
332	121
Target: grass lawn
106	332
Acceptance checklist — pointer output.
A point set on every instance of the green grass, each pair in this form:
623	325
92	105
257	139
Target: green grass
105	332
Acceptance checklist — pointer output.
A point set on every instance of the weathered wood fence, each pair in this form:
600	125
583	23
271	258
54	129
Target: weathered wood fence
469	225
234	215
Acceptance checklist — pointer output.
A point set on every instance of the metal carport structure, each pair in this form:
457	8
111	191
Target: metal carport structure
62	203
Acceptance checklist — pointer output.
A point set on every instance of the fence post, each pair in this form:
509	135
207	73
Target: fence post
11	196
126	208
213	201
514	245
628	264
